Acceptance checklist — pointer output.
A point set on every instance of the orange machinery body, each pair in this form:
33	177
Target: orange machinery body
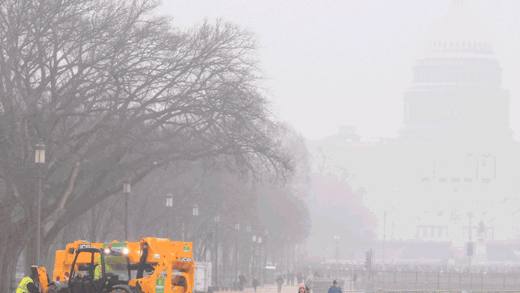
170	259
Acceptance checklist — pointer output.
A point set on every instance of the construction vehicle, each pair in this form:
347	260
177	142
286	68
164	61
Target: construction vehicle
152	265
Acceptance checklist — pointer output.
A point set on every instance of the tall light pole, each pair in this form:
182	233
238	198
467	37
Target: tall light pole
126	192
258	259
265	254
217	220
384	240
169	205
336	239
195	213
237	227
250	267
39	159
253	269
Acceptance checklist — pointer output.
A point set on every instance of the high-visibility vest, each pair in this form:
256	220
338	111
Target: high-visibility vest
97	271
22	287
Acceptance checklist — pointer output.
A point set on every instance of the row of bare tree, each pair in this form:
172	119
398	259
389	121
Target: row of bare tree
116	92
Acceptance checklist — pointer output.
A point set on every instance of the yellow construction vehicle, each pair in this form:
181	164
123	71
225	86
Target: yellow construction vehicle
152	265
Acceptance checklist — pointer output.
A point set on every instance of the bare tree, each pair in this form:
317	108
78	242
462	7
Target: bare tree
113	91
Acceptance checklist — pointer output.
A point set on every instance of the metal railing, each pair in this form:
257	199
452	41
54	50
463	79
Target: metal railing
355	280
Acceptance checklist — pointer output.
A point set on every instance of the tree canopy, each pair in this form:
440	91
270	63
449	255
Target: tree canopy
115	92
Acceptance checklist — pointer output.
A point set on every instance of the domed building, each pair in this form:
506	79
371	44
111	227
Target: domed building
454	164
456	94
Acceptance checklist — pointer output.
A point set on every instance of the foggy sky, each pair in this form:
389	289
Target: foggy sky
332	63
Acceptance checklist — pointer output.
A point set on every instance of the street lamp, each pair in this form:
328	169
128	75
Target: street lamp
237	227
169	205
336	239
39	158
265	253
195	212
253	269
249	268
217	220
259	261
126	191
195	209
256	262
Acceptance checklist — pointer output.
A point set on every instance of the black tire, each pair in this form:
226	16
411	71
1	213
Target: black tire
123	289
52	289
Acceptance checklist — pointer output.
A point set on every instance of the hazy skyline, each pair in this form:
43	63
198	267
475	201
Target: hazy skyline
332	63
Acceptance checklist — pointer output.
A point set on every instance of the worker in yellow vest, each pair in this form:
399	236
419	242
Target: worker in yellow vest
97	270
27	285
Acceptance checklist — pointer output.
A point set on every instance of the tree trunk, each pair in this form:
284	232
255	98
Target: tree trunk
11	246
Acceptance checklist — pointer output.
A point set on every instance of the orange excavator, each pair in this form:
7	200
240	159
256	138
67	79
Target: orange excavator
152	265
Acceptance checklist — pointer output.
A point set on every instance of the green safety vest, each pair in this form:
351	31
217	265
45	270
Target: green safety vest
97	271
22	287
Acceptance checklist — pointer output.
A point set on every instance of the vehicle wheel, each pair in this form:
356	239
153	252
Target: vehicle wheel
123	289
52	289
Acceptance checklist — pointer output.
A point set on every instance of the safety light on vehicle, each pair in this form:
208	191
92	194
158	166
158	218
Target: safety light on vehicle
108	249
125	251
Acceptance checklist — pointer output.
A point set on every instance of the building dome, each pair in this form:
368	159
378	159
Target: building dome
456	93
458	35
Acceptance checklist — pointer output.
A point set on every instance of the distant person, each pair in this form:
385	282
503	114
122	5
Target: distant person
279	282
27	285
299	277
302	288
241	281
97	270
255	283
354	279
308	284
334	288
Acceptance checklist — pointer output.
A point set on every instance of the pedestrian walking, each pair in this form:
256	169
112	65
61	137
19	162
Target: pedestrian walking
242	281
255	283
302	288
27	285
334	288
279	282
308	284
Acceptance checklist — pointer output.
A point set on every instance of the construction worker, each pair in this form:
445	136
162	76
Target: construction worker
27	285
97	270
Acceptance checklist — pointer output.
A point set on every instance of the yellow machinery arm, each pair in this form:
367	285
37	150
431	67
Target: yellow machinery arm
163	266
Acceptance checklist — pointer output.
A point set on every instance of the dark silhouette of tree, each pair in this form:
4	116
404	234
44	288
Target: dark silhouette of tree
115	92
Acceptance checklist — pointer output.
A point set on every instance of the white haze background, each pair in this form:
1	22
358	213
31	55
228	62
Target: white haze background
333	63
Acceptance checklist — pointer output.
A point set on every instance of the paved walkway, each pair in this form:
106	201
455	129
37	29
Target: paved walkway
267	289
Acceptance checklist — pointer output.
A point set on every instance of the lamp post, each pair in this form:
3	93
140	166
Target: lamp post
253	269
265	253
250	266
39	159
126	191
336	239
169	205
217	220
237	227
195	212
259	254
